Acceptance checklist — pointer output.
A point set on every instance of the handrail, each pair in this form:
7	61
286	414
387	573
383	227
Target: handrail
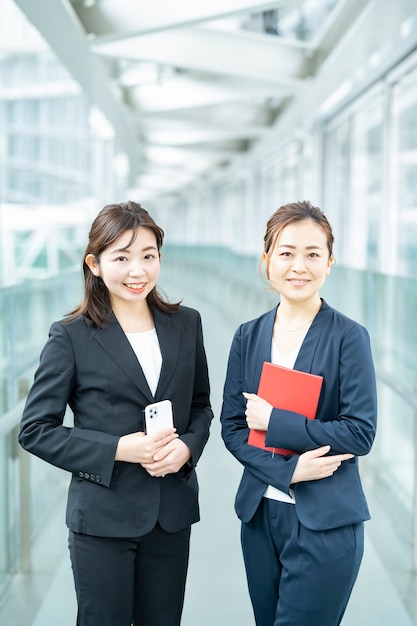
11	419
395	385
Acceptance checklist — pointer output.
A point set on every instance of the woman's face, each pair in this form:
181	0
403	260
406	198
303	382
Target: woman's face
128	269
299	262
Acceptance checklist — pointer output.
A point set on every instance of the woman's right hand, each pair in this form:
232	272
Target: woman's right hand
141	448
314	465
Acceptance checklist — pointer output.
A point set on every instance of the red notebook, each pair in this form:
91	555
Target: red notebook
290	390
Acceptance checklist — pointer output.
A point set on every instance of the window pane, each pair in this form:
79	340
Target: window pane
365	214
405	173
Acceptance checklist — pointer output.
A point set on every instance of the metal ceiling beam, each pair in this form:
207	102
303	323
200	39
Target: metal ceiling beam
116	20
244	55
335	28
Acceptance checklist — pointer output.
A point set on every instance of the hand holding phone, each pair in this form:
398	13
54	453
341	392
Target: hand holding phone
158	416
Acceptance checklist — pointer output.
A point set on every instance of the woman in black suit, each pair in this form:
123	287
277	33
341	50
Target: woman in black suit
302	514
133	496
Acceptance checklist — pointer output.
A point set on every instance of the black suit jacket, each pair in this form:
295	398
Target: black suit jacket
95	371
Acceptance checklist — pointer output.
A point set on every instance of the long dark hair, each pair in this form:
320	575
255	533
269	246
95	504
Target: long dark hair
112	221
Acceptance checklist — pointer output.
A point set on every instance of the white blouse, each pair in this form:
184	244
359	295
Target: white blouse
146	347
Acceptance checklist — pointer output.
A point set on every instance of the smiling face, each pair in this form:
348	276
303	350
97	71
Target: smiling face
299	262
129	269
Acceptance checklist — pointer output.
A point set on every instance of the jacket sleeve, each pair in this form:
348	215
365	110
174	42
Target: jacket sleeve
201	414
347	420
87	453
275	470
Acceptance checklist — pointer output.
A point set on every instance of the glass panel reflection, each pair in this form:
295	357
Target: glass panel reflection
405	174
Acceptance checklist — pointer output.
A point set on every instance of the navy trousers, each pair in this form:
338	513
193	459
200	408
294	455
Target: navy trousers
296	576
139	581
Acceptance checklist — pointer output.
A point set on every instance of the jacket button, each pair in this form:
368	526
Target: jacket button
81	474
98	479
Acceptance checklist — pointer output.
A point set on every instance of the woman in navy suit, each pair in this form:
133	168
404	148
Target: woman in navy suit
133	496
302	514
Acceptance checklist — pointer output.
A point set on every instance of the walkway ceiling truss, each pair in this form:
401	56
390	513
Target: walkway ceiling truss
188	86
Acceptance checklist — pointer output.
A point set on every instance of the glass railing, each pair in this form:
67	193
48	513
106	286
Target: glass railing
29	487
385	305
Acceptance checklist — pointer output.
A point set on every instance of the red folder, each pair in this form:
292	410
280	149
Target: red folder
290	390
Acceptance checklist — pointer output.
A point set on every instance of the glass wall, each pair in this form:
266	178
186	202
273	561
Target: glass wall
337	194
57	156
370	191
280	176
44	118
366	203
386	305
354	189
26	312
370	188
403	217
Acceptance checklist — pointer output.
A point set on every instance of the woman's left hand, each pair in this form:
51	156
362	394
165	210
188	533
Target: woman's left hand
169	459
258	411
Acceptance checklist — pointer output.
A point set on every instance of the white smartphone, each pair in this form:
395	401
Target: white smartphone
158	416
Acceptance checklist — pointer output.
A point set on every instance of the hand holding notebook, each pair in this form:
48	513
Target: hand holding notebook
289	390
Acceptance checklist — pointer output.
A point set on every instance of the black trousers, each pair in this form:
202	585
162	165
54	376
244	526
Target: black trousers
297	576
139	581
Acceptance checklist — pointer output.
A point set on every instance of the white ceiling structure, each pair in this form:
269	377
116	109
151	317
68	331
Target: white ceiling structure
190	86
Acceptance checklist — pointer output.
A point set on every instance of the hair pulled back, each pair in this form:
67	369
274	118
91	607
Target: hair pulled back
292	213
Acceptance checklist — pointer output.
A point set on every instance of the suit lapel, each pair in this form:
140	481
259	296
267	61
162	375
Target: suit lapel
113	340
264	346
308	348
169	337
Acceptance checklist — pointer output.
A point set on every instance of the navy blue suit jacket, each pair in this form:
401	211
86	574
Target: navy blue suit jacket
338	349
96	372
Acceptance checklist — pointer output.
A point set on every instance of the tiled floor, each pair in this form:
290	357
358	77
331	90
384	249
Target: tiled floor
216	590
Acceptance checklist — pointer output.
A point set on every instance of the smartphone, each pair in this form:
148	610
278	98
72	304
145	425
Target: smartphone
158	416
